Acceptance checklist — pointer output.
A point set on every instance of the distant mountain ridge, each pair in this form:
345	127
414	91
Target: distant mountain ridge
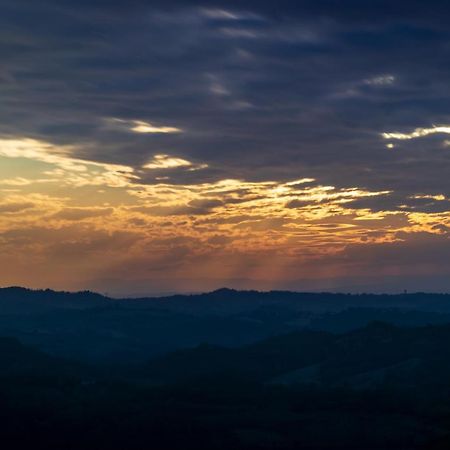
321	300
90	327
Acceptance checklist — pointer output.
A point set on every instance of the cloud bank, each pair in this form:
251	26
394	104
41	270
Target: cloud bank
240	139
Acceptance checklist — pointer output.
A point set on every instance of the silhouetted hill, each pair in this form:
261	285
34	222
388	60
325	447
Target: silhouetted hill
17	360
224	301
352	318
22	300
380	387
229	301
256	362
90	327
379	354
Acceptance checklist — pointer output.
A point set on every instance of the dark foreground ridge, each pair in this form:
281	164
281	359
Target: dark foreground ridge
379	387
224	370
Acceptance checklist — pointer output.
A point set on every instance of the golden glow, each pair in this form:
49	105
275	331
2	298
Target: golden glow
73	170
65	219
438	197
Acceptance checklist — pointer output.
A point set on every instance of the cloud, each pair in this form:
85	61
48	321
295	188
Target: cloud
52	154
140	126
74	170
194	207
169	162
220	14
417	133
381	80
8	208
119	105
76	214
437	197
16	181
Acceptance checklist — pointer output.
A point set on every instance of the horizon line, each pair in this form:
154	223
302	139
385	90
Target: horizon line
223	289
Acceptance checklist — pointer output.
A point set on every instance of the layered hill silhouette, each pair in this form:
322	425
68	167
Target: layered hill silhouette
376	355
93	328
228	369
377	387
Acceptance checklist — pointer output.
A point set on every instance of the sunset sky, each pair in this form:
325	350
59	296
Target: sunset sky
179	146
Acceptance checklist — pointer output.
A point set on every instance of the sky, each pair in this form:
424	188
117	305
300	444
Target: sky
182	146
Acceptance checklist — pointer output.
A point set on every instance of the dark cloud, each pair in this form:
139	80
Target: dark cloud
11	208
194	207
262	90
399	202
